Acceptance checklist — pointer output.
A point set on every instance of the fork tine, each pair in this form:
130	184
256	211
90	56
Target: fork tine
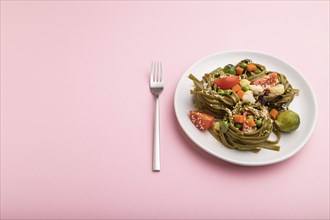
152	72
157	71
156	74
160	72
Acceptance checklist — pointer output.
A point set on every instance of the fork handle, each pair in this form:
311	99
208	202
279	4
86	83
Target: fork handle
156	148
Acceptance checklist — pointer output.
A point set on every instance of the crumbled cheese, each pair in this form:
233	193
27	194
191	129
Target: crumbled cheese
257	89
205	85
264	113
248	97
277	90
244	82
265	132
284	106
216	126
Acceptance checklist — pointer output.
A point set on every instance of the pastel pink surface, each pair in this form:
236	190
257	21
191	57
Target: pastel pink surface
77	113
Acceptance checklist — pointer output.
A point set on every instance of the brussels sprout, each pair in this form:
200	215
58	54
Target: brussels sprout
230	68
288	121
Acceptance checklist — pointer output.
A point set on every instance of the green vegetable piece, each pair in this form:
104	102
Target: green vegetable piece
257	71
287	121
217	70
245	88
237	125
259	123
230	68
233	70
228	91
221	92
235	97
215	86
224	126
243	65
250	116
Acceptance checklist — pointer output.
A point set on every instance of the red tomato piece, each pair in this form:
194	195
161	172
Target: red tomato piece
201	120
227	82
267	81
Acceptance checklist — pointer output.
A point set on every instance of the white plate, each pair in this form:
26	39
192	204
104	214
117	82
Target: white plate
304	105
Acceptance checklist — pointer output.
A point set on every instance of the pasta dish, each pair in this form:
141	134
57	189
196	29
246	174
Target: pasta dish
242	104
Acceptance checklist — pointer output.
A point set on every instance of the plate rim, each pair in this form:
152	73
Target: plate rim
263	163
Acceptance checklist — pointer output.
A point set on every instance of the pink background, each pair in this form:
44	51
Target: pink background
76	110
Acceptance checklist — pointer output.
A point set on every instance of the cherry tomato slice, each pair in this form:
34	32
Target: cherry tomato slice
201	120
227	82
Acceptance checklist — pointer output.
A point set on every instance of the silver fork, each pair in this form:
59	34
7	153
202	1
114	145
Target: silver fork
156	88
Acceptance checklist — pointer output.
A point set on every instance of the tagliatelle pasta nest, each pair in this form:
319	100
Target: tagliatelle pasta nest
240	105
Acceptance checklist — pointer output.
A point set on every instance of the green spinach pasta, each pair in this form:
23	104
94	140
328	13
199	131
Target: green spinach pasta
242	105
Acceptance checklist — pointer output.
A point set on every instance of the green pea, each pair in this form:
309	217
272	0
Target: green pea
250	116
237	125
243	65
221	92
228	91
259	123
245	88
257	71
224	126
